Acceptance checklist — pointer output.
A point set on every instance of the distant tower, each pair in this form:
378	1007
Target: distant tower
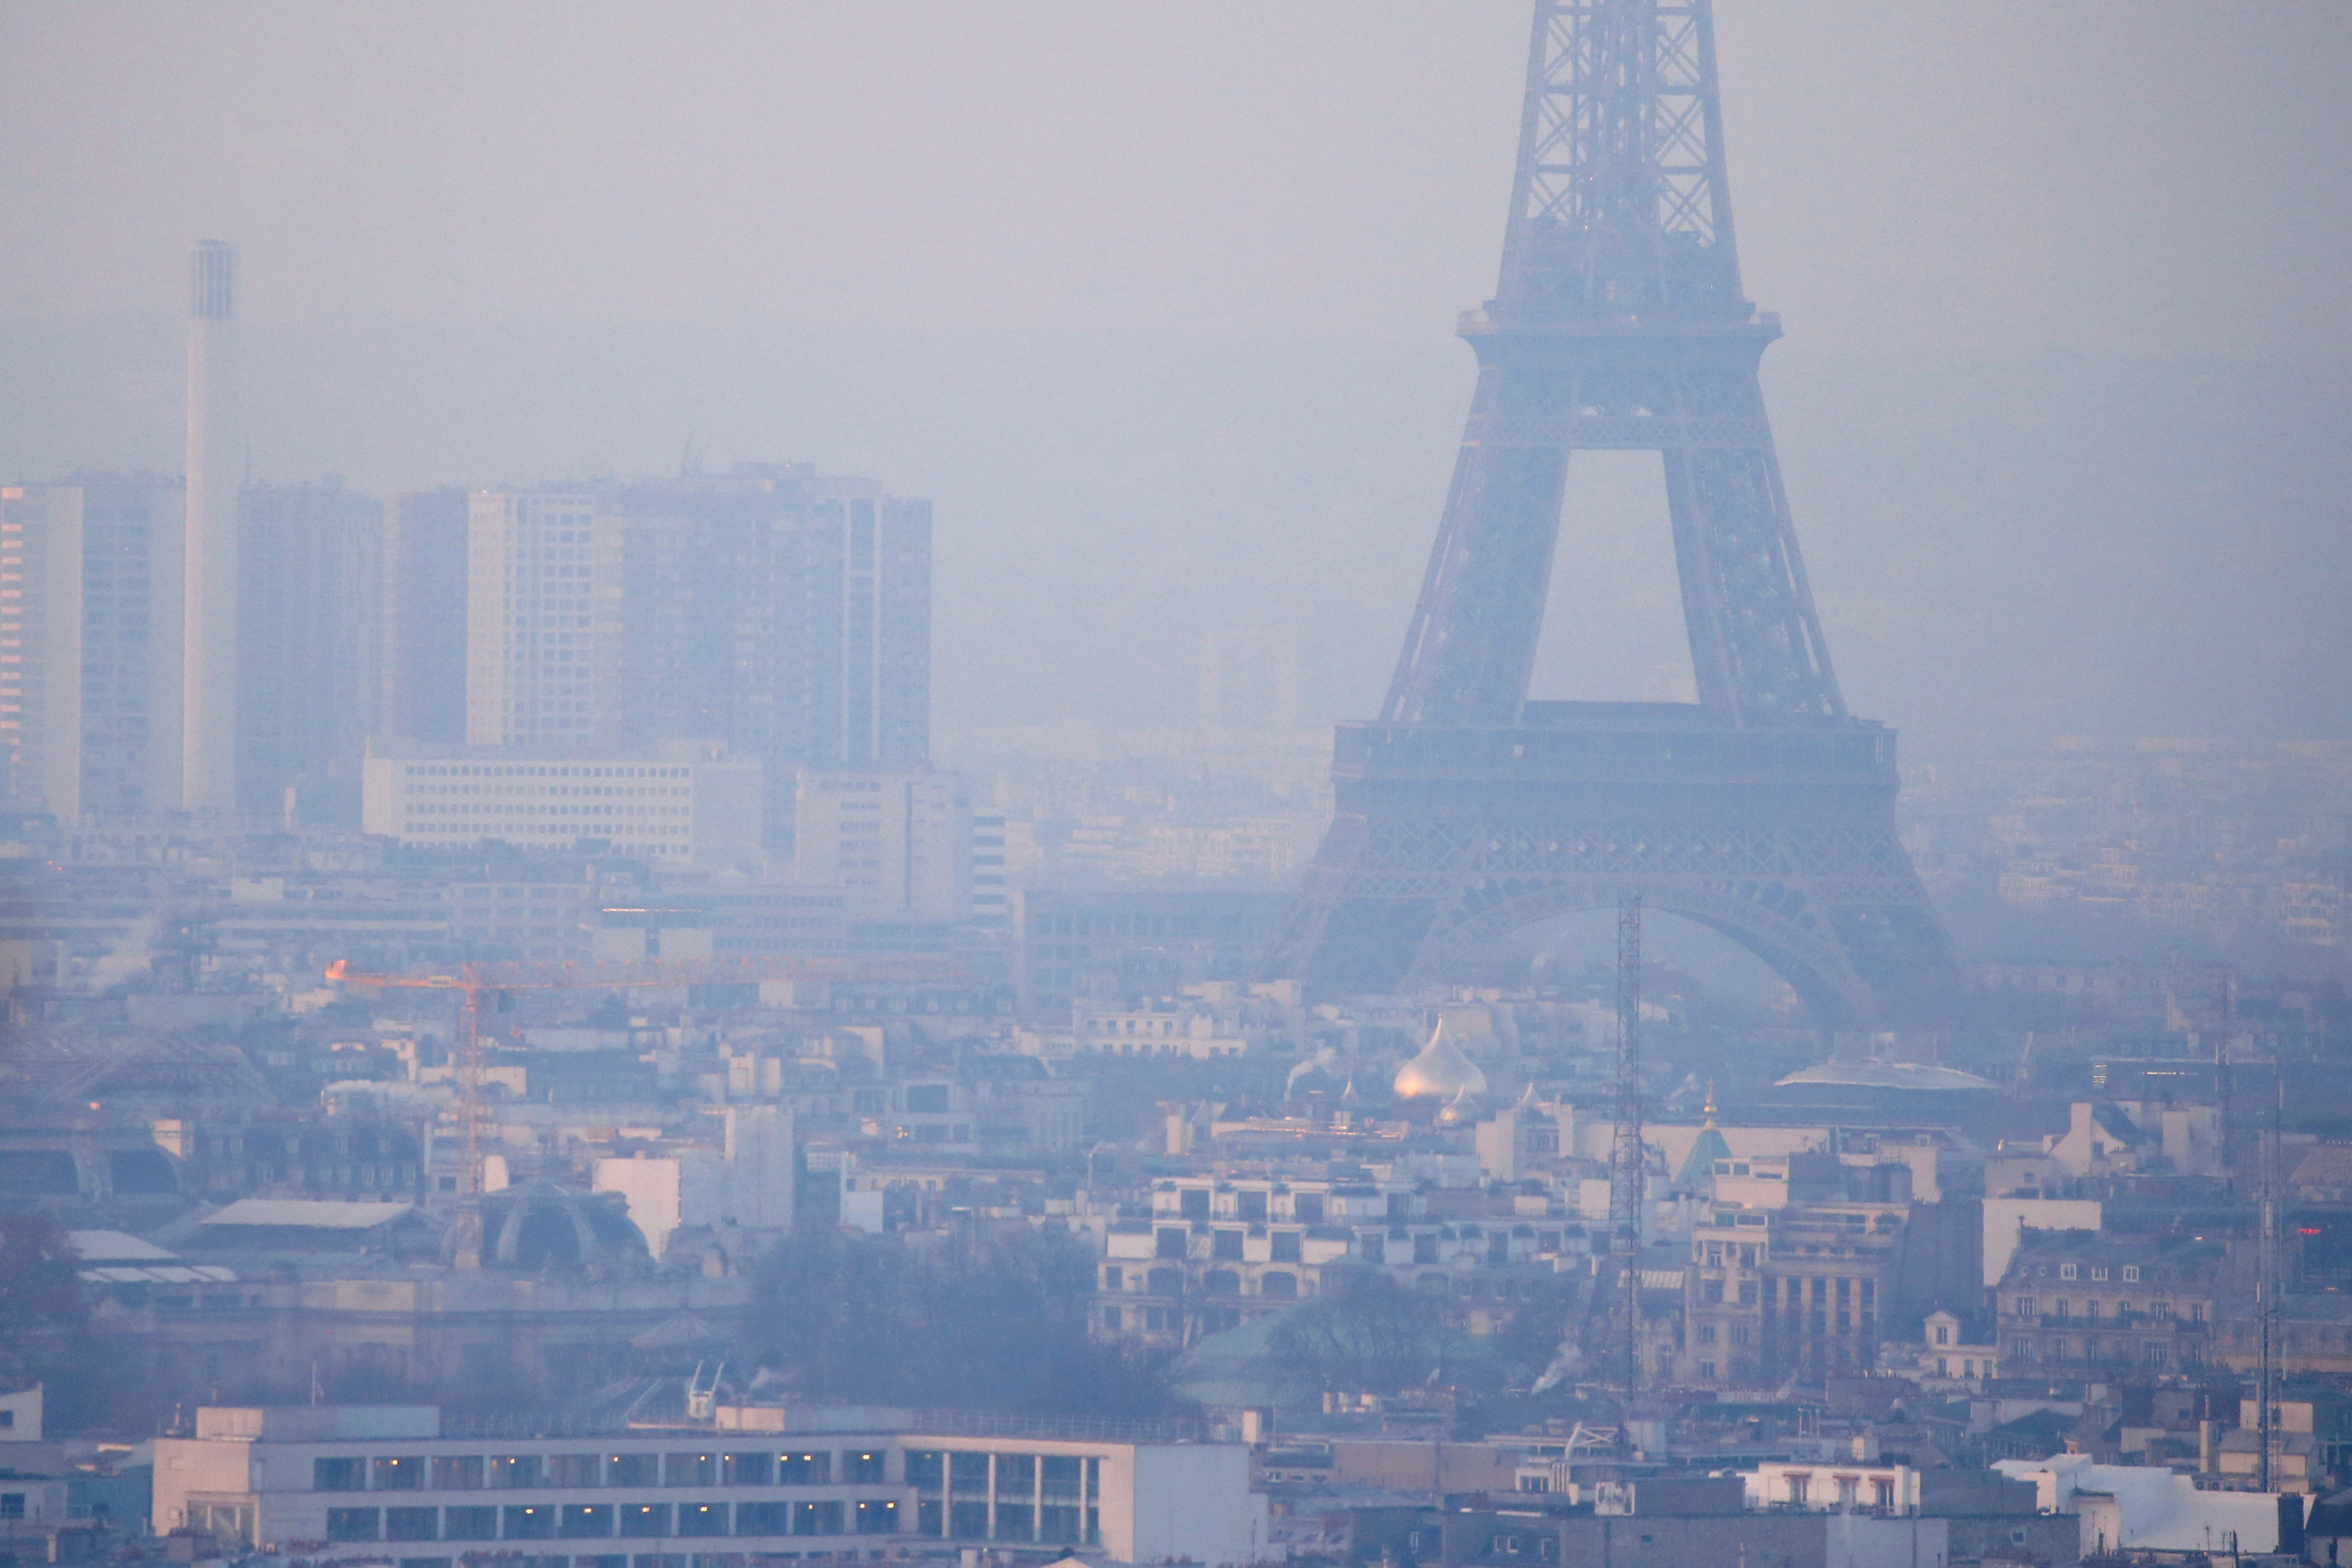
208	713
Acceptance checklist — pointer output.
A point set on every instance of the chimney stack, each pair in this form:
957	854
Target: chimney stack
208	745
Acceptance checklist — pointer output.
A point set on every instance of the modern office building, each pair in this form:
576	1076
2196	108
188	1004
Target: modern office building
309	599
679	805
781	612
90	601
422	665
899	843
391	1483
216	457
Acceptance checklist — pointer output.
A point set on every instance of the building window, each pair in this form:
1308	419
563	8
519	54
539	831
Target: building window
2068	1271
877	1517
584	1522
398	1475
514	1472
825	1518
469	1523
2131	1273
12	1505
762	1518
702	1518
1226	1247
646	1520
1943	1334
754	1469
574	1470
412	1523
804	1469
458	1473
690	1470
530	1522
354	1524
863	1467
339	1475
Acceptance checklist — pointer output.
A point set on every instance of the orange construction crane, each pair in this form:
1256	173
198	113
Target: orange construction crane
489	984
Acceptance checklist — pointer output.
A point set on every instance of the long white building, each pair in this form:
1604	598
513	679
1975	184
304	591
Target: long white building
673	808
372	1483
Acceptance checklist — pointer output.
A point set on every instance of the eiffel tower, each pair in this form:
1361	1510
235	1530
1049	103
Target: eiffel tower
1762	810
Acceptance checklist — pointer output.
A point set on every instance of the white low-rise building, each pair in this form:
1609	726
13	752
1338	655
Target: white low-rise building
372	1483
2139	1508
672	810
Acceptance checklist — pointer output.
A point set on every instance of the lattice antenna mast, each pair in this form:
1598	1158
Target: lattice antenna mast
2266	1377
1626	1165
1620	205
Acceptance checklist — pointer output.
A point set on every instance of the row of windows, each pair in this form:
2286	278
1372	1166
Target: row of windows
605	1521
503	771
473	1472
2062	1310
1216	1282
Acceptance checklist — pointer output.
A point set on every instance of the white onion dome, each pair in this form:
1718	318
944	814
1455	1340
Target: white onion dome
1440	1072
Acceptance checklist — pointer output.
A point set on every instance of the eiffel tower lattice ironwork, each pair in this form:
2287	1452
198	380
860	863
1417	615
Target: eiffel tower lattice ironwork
1763	809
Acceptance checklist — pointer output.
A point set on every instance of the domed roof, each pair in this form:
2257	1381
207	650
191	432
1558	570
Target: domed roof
1440	1072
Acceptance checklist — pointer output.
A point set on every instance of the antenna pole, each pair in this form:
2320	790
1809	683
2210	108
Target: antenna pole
2266	1380
1626	1163
468	1253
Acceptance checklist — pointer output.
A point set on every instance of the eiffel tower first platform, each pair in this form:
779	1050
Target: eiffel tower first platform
1762	810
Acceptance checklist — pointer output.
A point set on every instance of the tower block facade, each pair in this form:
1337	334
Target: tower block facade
1763	809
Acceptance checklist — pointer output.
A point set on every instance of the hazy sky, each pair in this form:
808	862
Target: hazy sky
2144	180
2141	175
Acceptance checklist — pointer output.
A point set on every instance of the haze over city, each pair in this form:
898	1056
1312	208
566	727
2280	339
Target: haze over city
1047	785
1159	307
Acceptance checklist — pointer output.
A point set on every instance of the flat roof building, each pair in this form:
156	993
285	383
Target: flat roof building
672	808
377	1482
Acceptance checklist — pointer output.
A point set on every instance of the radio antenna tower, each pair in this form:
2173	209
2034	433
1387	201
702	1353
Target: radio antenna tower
2266	1376
1626	1159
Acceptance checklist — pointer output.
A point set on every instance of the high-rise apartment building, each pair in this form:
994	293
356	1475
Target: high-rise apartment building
310	602
784	614
216	457
422	693
535	559
91	641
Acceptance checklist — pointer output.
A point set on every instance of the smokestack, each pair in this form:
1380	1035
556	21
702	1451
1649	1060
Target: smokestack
208	743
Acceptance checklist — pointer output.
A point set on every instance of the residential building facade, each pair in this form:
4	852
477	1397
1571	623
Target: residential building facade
90	608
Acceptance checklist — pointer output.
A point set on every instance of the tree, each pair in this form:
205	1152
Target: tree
998	1323
1366	1334
41	1296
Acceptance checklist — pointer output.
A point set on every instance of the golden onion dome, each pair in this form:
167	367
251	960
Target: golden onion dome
1440	1072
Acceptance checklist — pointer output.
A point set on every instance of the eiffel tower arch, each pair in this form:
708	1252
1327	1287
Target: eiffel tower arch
1762	810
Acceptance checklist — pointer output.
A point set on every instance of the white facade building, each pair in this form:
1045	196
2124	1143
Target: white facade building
378	1482
672	809
748	1185
2139	1508
91	606
535	561
899	843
